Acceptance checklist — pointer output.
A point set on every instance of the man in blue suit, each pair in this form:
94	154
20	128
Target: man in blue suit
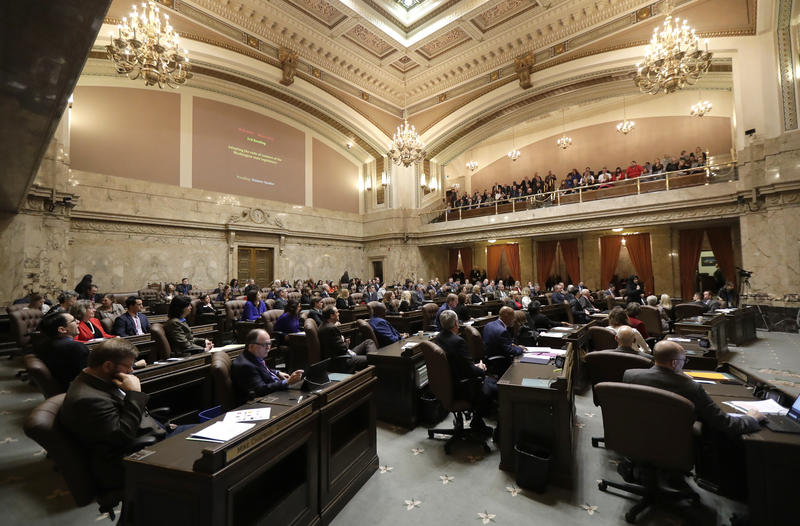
251	377
498	340
449	304
132	322
385	333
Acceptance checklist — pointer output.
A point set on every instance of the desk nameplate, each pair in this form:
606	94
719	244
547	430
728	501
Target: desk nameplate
254	440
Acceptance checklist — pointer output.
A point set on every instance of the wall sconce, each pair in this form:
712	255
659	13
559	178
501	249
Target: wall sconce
367	183
422	182
384	179
432	185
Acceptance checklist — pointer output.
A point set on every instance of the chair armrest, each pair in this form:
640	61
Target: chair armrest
140	443
160	413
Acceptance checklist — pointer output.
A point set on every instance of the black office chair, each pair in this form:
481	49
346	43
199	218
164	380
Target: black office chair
441	384
653	428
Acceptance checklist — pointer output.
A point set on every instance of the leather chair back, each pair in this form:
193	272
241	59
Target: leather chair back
15	306
440	379
120	297
365	329
40	374
376	308
474	343
520	319
312	341
688	310
270	303
43	427
160	342
647	425
270	317
330	301
357	297
602	338
549	297
23	323
191	319
428	313
295	296
223	387
652	321
233	312
107	324
610	366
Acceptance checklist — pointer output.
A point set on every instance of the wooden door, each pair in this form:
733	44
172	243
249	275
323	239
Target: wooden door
255	263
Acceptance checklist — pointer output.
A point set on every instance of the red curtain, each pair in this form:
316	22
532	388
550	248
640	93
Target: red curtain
453	261
512	258
689	244
545	256
569	251
609	256
493	254
639	250
466	260
721	245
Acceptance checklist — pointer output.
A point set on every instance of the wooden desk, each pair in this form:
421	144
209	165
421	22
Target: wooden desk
697	357
740	325
711	326
359	312
400	382
540	415
408	322
483	309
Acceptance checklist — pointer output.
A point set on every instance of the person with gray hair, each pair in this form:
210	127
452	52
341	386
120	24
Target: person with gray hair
66	299
89	327
626	340
462	368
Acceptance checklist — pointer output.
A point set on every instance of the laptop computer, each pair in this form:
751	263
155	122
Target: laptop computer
789	423
316	375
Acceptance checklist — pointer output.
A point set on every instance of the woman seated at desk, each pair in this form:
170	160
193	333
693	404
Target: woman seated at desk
89	327
108	308
289	321
343	301
181	340
254	307
206	307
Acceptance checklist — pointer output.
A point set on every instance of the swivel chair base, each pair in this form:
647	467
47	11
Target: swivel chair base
460	433
651	492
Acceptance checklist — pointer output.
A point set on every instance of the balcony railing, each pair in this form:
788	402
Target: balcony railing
665	181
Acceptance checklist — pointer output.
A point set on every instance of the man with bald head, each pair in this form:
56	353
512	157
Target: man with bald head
625	342
667	374
498	340
251	376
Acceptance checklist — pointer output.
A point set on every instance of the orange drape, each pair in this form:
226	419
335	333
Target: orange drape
569	251
639	250
493	254
609	256
512	258
689	244
721	245
466	260
453	260
545	256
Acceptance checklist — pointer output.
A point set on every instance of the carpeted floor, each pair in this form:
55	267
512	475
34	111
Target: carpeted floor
418	483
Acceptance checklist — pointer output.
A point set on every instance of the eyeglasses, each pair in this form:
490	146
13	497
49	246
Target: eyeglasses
266	345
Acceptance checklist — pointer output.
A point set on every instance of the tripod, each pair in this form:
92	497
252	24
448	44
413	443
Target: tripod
744	288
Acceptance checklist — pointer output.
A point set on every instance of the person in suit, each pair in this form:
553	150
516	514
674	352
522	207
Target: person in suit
180	337
449	304
89	327
728	294
462	368
254	307
132	322
64	356
281	299
625	342
498	340
558	295
634	290
333	344
418	296
371	294
251	376
206	307
476	298
315	313
537	320
184	287
105	411
462	310
384	331
667	374
710	301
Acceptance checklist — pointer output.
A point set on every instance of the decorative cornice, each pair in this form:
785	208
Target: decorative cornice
786	64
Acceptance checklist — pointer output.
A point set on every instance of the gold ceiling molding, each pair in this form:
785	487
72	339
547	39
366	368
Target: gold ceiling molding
419	23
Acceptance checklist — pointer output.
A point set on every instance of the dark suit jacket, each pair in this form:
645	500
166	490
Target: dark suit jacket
183	289
125	326
181	340
458	357
65	358
384	331
105	421
631	350
250	378
705	409
330	341
498	340
316	316
542	322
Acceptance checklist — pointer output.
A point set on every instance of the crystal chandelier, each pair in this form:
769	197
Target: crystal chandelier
626	126
564	141
700	109
472	165
148	47
673	58
406	147
513	154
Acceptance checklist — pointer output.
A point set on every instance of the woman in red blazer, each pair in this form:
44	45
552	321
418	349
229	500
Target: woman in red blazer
89	327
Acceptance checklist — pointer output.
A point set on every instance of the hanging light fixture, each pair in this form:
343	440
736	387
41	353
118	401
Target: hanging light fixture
406	147
701	108
673	58
564	141
626	126
513	154
472	165
147	46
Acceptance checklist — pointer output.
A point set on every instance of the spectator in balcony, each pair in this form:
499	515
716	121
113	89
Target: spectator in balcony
549	182
619	175
647	169
701	156
633	171
658	167
670	164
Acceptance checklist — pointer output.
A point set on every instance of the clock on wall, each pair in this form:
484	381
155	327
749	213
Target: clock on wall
257	215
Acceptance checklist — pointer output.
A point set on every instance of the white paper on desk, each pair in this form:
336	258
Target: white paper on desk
552	334
248	415
467	323
767	407
685	340
561	329
174	359
227	347
540	359
554	352
221	431
410	345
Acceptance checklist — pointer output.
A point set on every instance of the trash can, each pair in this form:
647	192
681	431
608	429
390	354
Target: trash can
430	409
208	414
532	466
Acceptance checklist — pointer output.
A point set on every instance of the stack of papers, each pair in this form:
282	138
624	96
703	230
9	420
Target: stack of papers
220	432
548	350
227	347
410	345
561	329
767	407
248	415
550	334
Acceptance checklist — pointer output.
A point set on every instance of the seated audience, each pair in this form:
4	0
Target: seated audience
181	340
132	322
306	297
226	294
537	320
728	295
105	411
206	307
91	294
462	368
251	285
89	327
37	303
315	313
333	344
405	301
250	375
710	301
235	289
289	321
461	309
663	317
618	318
254	307
384	331
66	299
633	310
558	295
169	293
83	286
667	374
498	340
59	351
281	299
109	308
343	299
625	341
388	302
634	291
450	303
183	287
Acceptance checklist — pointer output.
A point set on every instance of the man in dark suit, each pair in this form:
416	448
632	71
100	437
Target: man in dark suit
710	301
462	368
371	294
132	322
449	304
667	374
251	377
728	294
418	297
498	340
315	313
384	331
333	344
60	352
104	409
184	287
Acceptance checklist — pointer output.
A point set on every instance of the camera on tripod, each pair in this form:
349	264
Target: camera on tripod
744	273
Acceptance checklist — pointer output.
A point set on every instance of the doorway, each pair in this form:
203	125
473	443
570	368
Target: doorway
255	263
377	270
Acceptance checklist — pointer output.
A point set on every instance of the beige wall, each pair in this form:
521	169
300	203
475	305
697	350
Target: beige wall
335	179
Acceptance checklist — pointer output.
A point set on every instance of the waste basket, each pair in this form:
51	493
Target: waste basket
532	466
